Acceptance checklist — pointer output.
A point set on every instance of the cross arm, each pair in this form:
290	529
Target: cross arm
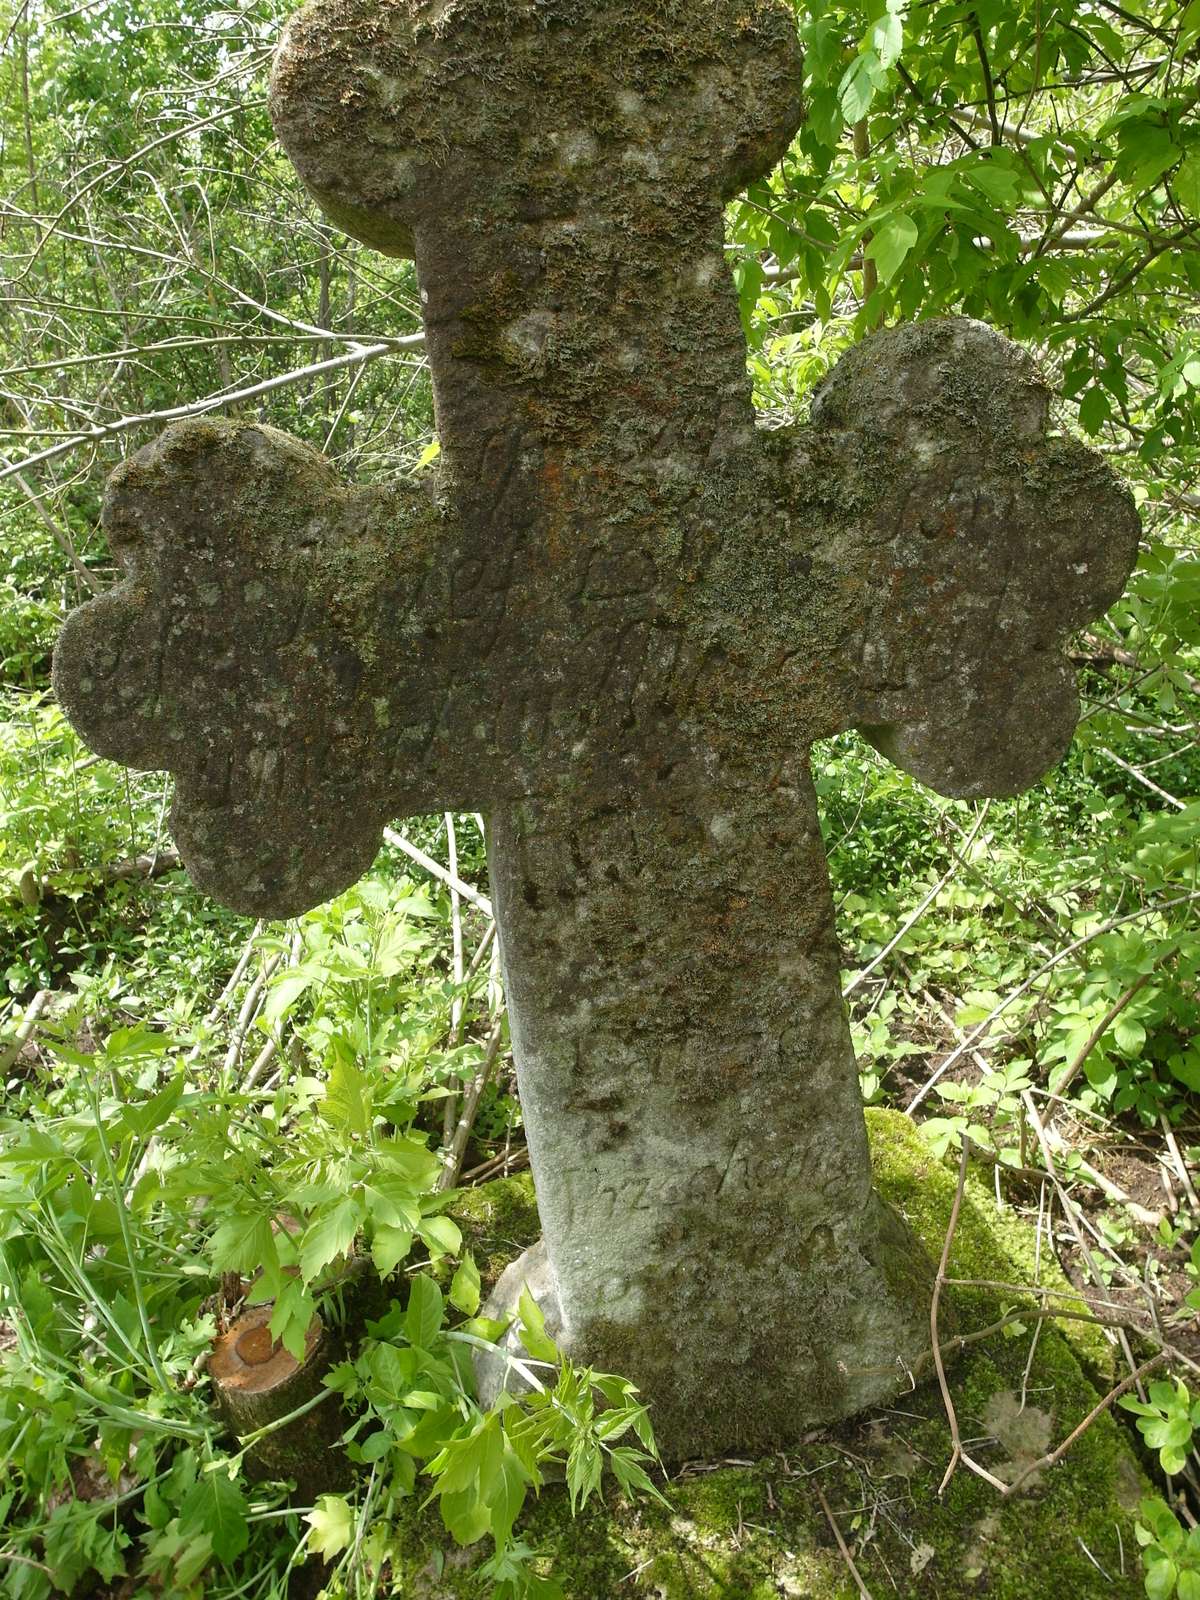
971	541
277	642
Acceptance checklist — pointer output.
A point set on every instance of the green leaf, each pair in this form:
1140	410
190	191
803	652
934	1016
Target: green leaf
891	244
1189	1584
389	1247
441	1234
1186	184
144	1119
464	1287
423	1316
1160	1579
857	88
1130	1036
1094	412
466	1516
533	1333
328	1236
243	1243
584	1467
346	1101
216	1506
332	1525
294	1311
508	1494
887	38
1147	151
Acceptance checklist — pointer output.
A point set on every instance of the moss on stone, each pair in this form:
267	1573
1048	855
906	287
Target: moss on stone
756	1531
498	1221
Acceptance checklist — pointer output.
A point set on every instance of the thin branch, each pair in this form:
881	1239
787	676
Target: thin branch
864	1592
1023	988
198	408
958	1453
1046	1462
414	853
916	915
1098	1032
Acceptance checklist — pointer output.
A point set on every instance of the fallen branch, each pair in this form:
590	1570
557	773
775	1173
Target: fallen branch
1023	988
436	870
842	1546
957	1453
1055	1456
13	1047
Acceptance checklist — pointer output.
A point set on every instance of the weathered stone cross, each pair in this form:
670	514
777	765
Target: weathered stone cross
617	627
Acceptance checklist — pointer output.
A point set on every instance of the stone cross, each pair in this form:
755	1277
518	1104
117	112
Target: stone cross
616	624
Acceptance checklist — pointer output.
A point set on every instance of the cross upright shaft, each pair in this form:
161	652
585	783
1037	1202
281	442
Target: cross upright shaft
618	630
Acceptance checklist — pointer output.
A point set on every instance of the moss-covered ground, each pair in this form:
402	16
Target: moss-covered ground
744	1530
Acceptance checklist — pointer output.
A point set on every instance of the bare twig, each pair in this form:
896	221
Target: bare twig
1136	772
101	431
435	868
1046	1462
864	1592
457	1144
957	1453
915	915
246	1015
1023	988
1098	1032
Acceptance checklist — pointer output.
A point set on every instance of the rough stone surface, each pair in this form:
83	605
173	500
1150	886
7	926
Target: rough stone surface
616	625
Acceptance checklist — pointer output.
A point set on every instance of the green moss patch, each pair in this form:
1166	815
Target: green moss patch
757	1531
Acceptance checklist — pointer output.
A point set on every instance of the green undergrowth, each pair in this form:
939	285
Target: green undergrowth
757	1531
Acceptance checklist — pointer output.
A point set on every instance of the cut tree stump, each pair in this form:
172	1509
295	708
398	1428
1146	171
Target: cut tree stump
256	1382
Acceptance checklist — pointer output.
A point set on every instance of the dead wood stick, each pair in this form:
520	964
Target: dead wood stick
915	915
452	1160
1136	772
957	1453
507	1159
1185	1178
249	1010
436	870
1098	1032
20	1038
143	866
1055	1456
842	1546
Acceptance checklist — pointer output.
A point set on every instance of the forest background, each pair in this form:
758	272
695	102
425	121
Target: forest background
1022	976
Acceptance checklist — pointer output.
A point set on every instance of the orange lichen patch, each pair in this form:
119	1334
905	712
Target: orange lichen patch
248	1359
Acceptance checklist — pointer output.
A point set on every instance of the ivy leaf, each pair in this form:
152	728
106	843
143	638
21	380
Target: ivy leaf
332	1525
891	244
216	1506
